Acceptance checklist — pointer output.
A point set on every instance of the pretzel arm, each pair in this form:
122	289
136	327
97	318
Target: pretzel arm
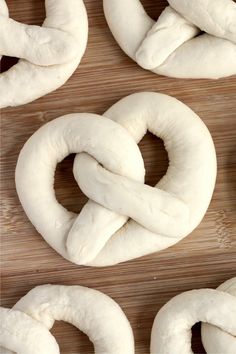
39	45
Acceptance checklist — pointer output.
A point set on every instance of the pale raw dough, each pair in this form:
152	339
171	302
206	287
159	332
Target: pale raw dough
48	55
174	46
216	340
91	311
23	335
112	175
171	332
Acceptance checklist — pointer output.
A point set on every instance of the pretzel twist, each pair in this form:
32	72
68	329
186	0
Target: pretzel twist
25	328
48	54
174	45
171	332
109	169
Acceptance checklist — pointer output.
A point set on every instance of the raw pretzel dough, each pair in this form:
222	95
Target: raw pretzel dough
49	54
93	312
23	335
171	332
111	174
216	340
174	46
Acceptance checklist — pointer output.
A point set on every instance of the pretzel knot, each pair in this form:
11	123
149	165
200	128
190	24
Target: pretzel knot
25	328
216	309
49	54
110	170
174	45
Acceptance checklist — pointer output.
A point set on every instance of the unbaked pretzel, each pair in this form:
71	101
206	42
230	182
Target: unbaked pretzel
49	54
174	46
91	311
111	174
171	332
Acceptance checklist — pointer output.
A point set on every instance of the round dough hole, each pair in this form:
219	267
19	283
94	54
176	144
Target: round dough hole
65	335
67	190
197	346
154	8
7	63
34	13
155	158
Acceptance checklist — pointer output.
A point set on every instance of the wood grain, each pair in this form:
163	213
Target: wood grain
204	259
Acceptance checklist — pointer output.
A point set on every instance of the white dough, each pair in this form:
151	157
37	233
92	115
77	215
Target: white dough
214	339
111	174
48	55
171	332
23	335
91	311
174	46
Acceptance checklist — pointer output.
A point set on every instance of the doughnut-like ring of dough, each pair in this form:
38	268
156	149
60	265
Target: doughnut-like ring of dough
91	311
161	216
171	332
49	54
172	46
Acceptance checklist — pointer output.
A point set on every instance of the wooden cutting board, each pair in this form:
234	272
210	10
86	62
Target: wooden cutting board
205	258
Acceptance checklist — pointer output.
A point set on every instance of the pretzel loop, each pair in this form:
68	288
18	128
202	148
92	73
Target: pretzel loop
171	208
25	328
110	144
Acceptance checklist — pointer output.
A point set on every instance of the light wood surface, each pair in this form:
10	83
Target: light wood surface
204	259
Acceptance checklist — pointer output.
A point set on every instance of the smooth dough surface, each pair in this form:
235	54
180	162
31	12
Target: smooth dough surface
48	55
171	332
109	169
174	45
91	311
